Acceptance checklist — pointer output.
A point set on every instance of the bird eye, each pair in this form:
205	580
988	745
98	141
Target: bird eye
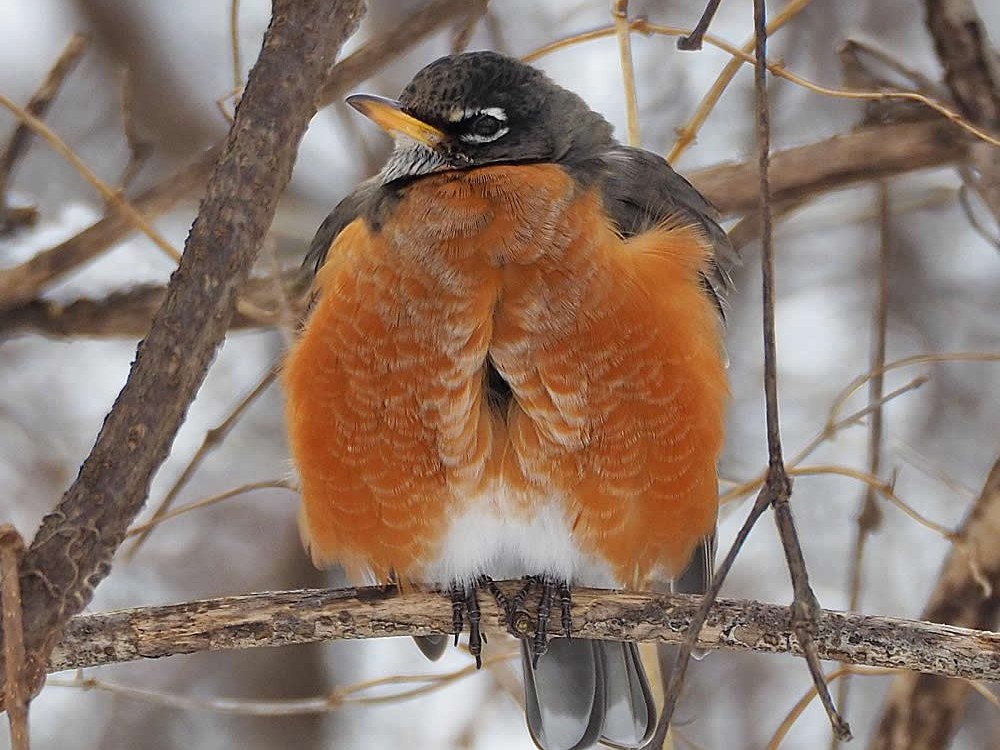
485	126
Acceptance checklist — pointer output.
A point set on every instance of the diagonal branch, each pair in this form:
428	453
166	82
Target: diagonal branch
38	105
22	283
72	551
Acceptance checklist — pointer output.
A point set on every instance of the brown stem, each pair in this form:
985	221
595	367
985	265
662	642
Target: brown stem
18	695
38	105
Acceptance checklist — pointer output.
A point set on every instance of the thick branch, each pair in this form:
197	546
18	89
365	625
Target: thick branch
72	551
840	161
288	617
922	712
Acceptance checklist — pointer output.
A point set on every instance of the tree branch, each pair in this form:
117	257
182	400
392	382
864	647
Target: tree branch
21	284
38	105
312	615
922	712
837	162
72	551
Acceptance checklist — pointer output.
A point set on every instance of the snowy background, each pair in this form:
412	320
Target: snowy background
940	440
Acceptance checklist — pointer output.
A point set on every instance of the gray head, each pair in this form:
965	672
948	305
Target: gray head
482	108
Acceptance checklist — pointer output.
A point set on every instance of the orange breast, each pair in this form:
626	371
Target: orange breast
610	347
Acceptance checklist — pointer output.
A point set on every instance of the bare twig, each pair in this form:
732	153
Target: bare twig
22	283
411	30
642	25
623	30
308	616
129	313
869	516
270	484
693	41
462	33
18	695
73	548
213	438
38	105
843	160
139	149
111	197
234	43
777	485
923	712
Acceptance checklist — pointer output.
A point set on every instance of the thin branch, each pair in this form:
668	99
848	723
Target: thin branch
268	484
139	149
777	485
411	30
347	695
869	516
15	684
213	438
687	134
111	197
72	551
234	43
623	30
692	42
462	34
21	284
923	712
642	25
834	163
313	615
37	106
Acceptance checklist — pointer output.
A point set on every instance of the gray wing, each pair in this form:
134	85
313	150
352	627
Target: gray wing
360	202
641	191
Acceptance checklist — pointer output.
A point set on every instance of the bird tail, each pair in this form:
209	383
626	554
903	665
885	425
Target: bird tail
583	691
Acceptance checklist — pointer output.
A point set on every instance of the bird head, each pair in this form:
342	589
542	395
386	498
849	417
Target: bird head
482	108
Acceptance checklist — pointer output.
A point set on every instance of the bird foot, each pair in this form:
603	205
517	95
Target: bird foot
519	621
465	604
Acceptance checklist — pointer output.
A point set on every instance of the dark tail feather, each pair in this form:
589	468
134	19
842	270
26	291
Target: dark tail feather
585	690
630	711
432	646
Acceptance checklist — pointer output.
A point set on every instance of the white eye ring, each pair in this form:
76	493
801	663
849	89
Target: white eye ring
496	113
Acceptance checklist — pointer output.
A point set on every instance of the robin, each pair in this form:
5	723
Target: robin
513	367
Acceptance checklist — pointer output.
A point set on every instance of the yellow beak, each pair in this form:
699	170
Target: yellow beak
387	115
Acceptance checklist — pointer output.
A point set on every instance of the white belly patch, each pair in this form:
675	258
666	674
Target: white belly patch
489	538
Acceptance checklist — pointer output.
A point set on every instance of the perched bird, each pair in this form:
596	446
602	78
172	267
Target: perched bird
513	367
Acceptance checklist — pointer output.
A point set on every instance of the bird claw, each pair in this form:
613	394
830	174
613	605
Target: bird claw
466	604
520	622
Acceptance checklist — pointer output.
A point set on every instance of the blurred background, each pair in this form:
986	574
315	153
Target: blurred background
143	102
